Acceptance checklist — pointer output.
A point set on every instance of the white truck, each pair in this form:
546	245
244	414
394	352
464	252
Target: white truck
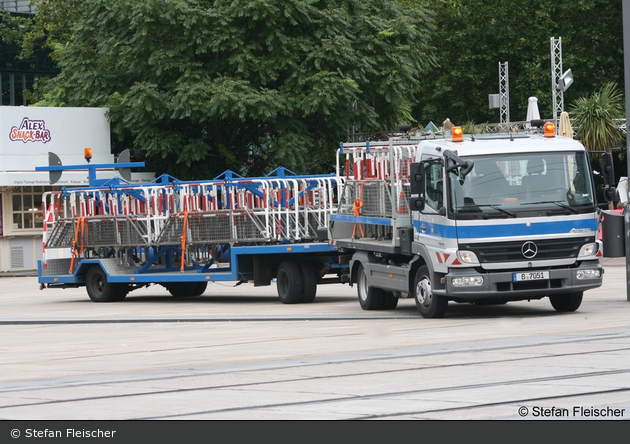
476	219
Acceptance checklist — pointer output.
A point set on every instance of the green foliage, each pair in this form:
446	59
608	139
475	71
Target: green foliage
473	36
201	86
594	118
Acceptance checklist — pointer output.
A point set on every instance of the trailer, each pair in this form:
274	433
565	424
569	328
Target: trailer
481	219
182	235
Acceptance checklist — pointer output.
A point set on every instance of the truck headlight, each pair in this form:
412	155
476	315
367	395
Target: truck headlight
588	274
467	281
467	257
588	250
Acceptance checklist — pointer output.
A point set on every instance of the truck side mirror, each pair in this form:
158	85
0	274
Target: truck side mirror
417	177
416	202
608	170
610	194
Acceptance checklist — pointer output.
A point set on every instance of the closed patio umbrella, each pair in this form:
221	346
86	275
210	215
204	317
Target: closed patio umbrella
532	109
564	127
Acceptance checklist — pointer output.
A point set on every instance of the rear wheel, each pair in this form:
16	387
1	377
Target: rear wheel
567	301
309	282
370	298
289	283
428	304
200	288
183	289
389	301
100	290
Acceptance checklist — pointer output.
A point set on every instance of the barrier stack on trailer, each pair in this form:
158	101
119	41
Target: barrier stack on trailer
183	235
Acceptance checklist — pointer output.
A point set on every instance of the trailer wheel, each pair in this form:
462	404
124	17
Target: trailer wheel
289	283
567	301
428	304
200	288
309	282
183	289
370	298
99	290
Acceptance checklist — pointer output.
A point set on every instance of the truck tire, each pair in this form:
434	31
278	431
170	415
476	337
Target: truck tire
289	283
200	288
99	290
567	301
183	289
309	282
370	298
389	301
428	304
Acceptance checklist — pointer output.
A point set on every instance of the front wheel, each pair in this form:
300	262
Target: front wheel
99	290
566	302
428	304
370	298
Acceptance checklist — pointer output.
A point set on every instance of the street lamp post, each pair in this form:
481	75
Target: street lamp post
626	62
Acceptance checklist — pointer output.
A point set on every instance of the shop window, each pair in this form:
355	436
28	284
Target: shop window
27	208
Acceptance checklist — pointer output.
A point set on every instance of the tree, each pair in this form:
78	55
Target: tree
473	36
201	86
595	115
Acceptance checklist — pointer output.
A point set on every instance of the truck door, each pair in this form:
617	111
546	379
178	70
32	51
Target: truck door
430	225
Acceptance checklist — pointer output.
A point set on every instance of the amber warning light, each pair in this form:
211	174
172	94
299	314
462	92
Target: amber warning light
458	134
87	153
550	129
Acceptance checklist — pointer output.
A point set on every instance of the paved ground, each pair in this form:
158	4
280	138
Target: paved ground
238	353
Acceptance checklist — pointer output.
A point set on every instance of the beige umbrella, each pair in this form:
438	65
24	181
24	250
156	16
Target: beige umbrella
564	127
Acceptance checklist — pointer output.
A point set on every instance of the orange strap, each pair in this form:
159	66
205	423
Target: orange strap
183	238
81	227
358	204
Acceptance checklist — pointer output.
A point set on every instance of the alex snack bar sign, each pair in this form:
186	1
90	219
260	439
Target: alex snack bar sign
30	131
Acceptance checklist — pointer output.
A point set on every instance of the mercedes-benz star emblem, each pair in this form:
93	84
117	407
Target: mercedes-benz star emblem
529	250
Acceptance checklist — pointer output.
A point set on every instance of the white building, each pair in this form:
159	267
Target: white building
27	135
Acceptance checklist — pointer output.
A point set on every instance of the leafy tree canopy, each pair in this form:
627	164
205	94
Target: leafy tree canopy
473	36
201	86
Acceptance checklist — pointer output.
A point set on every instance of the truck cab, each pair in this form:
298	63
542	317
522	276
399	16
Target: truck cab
482	219
507	217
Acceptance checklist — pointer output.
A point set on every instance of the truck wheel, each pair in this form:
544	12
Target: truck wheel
99	290
183	289
428	304
567	301
289	283
370	298
309	282
389	301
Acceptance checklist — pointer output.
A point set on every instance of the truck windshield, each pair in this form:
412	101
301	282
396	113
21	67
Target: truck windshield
523	185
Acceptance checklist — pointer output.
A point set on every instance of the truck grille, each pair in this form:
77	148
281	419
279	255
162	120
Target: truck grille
512	251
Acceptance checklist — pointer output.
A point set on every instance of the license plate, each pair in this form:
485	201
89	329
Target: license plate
530	276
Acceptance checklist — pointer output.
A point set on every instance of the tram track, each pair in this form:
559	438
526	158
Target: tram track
525	345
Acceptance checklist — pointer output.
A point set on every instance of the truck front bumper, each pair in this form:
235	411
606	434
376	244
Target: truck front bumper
501	284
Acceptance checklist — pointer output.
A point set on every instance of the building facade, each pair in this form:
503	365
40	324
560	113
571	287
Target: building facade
27	136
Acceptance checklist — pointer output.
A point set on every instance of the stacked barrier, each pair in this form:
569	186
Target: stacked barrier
191	216
376	178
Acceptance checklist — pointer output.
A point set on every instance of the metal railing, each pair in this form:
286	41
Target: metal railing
24	6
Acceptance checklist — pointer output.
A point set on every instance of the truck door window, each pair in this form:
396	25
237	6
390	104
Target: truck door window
434	186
